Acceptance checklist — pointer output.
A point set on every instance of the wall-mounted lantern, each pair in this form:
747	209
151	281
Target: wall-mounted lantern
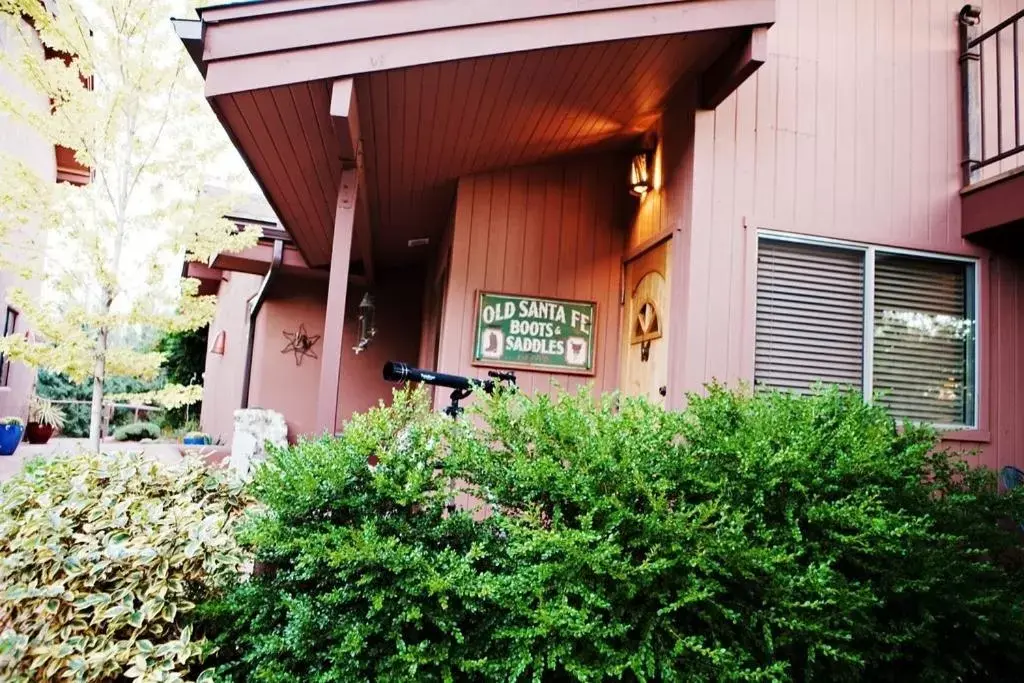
640	173
367	324
219	342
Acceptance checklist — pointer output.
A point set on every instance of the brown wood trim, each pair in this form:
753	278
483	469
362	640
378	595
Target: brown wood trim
326	60
735	66
648	244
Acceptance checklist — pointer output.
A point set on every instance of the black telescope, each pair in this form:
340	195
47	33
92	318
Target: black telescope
396	371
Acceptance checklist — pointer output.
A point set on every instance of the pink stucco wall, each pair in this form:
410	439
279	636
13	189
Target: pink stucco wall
222	380
23	143
278	382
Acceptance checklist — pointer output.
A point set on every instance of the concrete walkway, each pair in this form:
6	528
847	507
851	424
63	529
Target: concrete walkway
168	453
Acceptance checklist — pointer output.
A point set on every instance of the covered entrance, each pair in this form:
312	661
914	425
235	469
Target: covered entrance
448	148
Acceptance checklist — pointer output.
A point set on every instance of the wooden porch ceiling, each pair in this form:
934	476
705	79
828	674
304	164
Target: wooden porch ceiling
425	126
446	88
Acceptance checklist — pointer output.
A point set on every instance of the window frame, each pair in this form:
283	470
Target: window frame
972	295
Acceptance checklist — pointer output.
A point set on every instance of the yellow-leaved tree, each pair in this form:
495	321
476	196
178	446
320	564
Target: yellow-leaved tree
124	98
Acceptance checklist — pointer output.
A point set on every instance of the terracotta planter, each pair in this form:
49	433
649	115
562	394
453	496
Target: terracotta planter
38	433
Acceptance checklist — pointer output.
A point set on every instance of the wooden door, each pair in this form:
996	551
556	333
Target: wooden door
645	329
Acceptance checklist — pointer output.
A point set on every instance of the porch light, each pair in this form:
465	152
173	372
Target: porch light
640	173
219	342
367	325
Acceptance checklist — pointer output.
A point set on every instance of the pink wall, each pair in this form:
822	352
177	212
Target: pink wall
553	230
850	130
277	382
398	316
222	379
21	142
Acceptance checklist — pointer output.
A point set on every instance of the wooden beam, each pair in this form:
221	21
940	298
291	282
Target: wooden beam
249	68
337	291
345	115
735	65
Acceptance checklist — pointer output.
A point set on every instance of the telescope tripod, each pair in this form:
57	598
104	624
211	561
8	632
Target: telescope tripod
454	409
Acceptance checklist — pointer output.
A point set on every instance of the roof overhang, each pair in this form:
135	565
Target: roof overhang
426	91
325	39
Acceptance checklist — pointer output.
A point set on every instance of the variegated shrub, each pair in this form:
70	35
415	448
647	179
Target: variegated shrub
103	557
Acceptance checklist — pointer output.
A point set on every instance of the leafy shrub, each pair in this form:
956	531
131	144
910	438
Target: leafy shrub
749	538
101	560
12	420
137	431
76	415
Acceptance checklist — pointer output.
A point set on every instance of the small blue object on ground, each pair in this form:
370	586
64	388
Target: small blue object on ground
10	437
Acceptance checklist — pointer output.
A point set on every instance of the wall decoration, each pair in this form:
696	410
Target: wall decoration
537	333
301	344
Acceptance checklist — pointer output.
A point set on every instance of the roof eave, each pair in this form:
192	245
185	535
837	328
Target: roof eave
190	32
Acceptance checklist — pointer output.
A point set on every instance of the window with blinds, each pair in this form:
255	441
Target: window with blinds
924	338
810	316
917	343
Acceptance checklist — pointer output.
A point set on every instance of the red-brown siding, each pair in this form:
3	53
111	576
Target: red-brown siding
849	131
553	230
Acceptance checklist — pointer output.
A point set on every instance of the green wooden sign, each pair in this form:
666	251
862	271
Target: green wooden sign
536	333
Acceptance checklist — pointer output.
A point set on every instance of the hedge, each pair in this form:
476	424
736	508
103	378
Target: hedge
749	538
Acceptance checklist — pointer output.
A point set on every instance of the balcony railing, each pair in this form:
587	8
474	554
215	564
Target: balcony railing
990	73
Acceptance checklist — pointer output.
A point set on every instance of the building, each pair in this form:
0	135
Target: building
645	195
56	163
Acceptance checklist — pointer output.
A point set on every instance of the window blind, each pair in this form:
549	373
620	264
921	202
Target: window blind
923	344
810	316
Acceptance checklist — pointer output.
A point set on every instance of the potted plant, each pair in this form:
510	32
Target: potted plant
196	439
11	429
44	417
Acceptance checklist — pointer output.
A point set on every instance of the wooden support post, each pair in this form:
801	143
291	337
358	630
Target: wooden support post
337	291
970	86
345	116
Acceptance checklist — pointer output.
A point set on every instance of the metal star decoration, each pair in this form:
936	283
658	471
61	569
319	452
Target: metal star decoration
301	344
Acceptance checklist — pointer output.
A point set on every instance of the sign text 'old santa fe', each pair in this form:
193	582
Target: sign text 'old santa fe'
537	333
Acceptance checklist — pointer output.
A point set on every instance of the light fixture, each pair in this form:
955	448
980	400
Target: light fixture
640	173
219	342
367	326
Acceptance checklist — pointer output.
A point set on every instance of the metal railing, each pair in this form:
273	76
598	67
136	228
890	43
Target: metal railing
990	81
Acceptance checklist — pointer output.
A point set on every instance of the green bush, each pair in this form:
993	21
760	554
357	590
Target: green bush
52	386
102	558
137	431
749	538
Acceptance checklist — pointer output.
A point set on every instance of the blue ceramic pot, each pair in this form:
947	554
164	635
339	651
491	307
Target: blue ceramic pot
10	437
203	440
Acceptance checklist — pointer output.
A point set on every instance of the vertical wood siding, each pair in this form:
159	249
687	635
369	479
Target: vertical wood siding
554	230
850	130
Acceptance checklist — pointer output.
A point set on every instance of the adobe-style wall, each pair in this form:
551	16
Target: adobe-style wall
396	296
23	143
222	379
278	382
281	380
850	130
554	230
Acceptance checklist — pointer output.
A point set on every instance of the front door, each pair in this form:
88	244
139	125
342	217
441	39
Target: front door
645	332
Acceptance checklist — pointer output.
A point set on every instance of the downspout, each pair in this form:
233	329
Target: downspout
254	310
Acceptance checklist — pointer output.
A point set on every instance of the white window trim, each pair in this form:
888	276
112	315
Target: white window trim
870	251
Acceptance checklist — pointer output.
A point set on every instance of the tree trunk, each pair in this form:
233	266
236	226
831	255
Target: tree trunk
98	375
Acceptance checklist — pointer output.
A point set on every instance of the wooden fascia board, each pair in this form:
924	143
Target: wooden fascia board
733	67
340	59
245	30
257	259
